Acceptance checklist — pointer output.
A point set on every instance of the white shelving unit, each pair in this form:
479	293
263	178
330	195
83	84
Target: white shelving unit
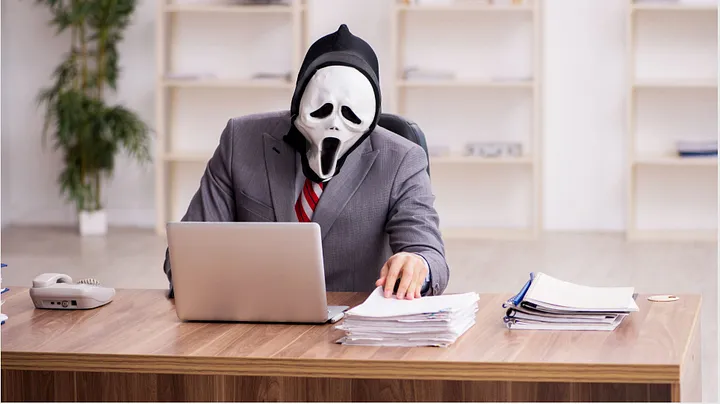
463	183
182	145
672	93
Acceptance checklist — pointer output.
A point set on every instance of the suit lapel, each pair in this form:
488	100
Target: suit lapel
280	165
343	186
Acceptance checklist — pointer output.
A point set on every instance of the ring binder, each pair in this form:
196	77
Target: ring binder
547	303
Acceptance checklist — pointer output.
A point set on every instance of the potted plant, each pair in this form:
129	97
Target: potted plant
85	128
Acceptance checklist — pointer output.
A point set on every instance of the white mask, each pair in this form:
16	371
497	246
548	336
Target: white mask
336	109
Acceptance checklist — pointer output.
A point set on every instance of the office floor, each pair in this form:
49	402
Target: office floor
132	258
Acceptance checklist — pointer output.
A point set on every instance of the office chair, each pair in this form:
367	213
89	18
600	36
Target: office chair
405	128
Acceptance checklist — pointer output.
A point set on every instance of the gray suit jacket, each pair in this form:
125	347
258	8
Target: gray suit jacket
379	204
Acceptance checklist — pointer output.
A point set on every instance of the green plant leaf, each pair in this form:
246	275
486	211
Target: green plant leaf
87	131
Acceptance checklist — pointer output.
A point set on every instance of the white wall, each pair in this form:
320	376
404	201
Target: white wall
4	218
583	108
30	52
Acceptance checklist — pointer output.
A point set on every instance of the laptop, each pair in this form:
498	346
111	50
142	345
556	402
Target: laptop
249	272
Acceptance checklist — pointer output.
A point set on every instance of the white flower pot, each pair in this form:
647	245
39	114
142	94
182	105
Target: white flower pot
93	223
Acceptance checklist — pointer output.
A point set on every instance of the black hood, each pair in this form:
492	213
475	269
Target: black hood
341	48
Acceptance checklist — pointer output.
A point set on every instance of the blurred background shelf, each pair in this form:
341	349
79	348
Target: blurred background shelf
676	83
187	157
668	6
672	58
502	41
673	235
676	161
466	7
482	233
227	8
524	160
203	157
228	83
225	45
465	83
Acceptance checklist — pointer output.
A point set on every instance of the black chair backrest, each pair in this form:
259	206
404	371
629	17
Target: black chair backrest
405	128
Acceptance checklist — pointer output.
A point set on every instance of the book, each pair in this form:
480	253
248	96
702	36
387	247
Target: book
428	321
548	303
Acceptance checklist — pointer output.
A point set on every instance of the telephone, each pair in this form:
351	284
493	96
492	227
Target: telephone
57	291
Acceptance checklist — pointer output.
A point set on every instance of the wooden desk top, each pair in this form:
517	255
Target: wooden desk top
140	332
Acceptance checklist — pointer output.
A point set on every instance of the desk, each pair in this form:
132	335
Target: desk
136	349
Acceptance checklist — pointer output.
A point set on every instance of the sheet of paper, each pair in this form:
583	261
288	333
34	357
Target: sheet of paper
377	305
561	294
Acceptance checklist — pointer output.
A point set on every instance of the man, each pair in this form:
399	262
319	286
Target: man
326	161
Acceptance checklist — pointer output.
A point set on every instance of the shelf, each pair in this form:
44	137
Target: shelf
674	7
699	235
675	83
222	8
170	82
467	7
464	83
675	161
228	83
187	157
200	157
481	160
479	233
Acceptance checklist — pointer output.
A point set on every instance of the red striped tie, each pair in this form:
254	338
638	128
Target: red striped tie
308	199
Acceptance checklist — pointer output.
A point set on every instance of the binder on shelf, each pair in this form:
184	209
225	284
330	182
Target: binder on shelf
547	303
697	148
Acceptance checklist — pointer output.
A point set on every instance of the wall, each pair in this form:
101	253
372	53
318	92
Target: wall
584	177
584	114
30	52
4	173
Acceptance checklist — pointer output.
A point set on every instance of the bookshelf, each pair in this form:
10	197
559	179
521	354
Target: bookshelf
469	189
672	96
205	76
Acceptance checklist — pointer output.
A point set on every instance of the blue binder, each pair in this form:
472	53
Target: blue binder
515	300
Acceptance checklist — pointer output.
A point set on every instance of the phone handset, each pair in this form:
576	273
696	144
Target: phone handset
57	291
45	280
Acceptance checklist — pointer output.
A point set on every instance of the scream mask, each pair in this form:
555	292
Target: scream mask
336	103
336	109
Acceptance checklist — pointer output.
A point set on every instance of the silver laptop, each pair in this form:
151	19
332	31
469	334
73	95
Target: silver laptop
249	272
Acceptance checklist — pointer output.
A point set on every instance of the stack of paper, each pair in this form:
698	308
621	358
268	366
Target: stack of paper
427	321
547	303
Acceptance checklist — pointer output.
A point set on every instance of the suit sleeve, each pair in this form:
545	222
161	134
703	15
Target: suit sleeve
413	223
214	201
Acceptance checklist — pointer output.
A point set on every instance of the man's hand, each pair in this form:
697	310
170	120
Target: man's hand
410	269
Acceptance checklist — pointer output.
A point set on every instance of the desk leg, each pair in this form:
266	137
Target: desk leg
690	386
82	386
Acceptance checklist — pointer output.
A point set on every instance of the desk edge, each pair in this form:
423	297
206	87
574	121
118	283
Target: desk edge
343	368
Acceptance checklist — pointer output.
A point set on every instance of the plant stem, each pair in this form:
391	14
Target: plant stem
84	55
73	56
83	87
102	43
97	190
102	40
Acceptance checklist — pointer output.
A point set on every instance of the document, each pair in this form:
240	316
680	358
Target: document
547	303
428	321
553	293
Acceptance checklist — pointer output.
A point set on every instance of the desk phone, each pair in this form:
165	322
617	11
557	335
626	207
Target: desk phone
57	291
